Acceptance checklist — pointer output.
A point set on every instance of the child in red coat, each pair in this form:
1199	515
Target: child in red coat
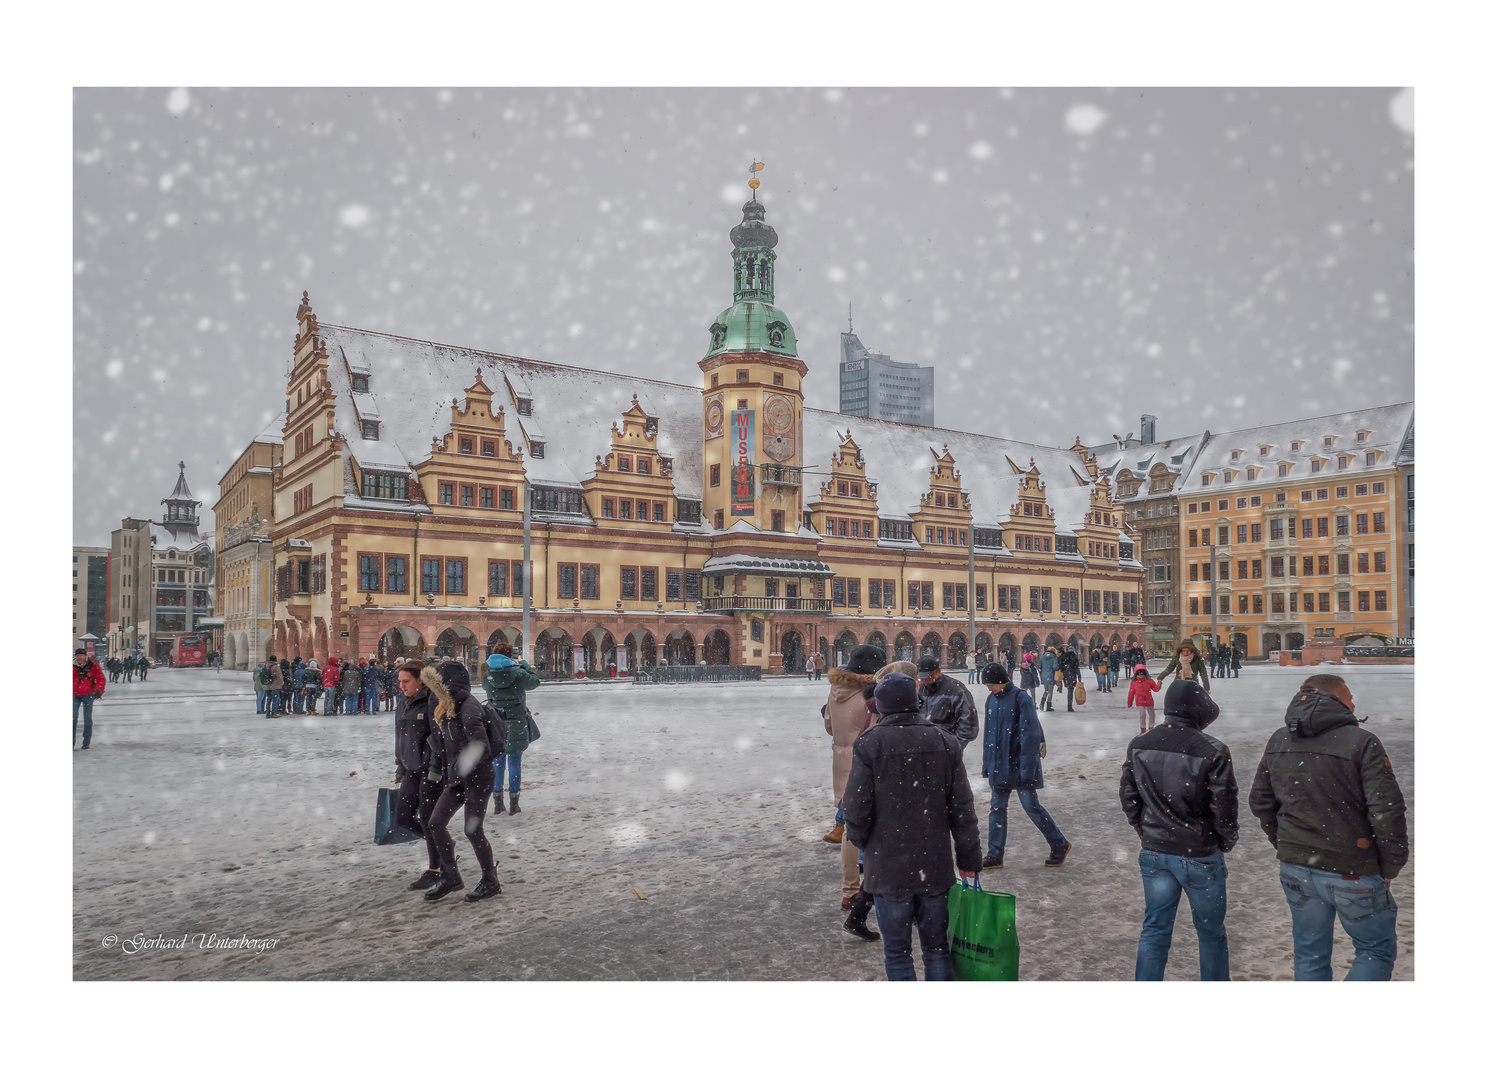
1141	688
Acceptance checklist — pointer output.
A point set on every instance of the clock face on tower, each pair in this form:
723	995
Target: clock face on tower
715	418
778	438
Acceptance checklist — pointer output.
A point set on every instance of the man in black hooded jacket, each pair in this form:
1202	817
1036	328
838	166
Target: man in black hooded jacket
468	783
906	796
1178	791
1327	798
419	766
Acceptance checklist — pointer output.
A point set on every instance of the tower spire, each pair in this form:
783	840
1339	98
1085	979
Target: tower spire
850	318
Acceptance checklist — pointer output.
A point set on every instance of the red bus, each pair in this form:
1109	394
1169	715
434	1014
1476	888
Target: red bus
189	650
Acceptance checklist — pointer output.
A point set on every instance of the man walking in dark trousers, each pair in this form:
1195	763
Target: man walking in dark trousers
1178	791
906	796
1327	798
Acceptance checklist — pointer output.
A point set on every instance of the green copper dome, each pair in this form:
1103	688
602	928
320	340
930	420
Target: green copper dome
753	323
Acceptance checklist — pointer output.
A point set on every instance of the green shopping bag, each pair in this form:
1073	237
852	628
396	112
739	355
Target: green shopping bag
982	934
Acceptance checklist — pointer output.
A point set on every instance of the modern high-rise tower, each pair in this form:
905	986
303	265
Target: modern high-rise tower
876	386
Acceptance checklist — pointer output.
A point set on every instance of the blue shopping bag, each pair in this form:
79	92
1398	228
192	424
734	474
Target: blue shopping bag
385	829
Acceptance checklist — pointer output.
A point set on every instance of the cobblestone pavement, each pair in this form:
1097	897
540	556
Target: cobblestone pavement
192	815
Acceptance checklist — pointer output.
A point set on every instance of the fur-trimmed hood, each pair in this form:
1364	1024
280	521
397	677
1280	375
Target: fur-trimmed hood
849	680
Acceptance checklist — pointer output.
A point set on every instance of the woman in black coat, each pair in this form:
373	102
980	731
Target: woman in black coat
467	781
419	765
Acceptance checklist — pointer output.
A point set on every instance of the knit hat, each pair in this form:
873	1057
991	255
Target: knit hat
896	694
1186	700
865	659
996	673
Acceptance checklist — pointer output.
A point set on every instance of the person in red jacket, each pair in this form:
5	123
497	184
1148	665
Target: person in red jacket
88	683
1141	688
329	680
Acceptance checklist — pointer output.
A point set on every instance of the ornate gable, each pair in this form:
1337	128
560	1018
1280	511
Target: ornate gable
632	482
846	506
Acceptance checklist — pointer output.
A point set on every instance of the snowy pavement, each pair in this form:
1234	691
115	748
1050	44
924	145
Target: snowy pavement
193	816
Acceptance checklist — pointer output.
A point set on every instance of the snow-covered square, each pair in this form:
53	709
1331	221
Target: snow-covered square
667	833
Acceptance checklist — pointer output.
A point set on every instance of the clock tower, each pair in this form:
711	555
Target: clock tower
753	393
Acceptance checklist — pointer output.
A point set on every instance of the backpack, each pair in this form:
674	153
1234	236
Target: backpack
496	722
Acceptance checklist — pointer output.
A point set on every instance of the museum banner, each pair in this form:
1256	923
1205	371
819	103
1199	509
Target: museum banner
743	478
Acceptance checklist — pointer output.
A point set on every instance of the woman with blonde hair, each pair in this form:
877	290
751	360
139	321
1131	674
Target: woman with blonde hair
459	720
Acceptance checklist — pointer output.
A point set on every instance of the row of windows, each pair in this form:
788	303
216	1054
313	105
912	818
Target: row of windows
1285	528
1344	461
1280	565
1307	495
1286	603
947	536
623	509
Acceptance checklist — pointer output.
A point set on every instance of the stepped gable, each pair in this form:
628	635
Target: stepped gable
413	383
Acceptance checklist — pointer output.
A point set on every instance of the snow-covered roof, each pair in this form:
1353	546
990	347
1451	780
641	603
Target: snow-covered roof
273	432
901	455
415	382
1386	426
757	564
1176	454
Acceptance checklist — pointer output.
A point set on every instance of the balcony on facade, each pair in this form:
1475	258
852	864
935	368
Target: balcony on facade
784	475
729	604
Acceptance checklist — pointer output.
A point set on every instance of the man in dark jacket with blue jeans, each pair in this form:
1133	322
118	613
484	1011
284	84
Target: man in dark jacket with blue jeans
1178	791
906	795
1014	749
1327	798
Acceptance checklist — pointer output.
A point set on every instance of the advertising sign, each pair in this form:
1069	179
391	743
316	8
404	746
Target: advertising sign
743	468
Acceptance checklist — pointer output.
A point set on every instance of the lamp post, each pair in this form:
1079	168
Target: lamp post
1213	588
528	646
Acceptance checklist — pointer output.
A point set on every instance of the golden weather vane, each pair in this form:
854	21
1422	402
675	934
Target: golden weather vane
754	183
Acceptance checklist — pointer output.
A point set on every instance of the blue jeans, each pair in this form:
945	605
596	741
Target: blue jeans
86	701
840	813
515	770
896	918
1205	881
370	695
277	703
298	702
260	697
999	797
1365	908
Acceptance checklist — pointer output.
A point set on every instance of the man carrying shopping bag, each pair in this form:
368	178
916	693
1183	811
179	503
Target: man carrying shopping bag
906	795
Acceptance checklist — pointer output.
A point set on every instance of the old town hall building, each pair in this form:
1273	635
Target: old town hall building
723	523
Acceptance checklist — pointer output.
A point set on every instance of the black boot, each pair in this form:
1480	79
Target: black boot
488	886
497	802
426	880
513	803
855	923
444	887
1059	854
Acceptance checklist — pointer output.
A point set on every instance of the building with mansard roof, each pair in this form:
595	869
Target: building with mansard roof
1294	532
722	523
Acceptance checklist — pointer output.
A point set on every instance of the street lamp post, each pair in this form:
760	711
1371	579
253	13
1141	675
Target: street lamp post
1213	586
528	646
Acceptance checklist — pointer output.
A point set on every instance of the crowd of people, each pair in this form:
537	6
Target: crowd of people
125	668
1324	794
296	686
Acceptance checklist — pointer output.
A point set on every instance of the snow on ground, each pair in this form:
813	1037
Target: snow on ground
192	815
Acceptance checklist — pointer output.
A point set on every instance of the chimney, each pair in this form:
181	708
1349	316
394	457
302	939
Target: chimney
1147	429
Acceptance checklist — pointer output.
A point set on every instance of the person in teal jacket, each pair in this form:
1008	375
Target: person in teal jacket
506	685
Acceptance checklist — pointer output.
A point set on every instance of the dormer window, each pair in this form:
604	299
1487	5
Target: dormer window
643	466
1264	451
1251	473
360	384
1295	446
1283	469
775	334
1363	436
1342	461
466	446
1326	442
1368	458
1234	455
489	448
841	488
536	448
525	406
717	336
370	430
855	490
938	498
1207	479
624	463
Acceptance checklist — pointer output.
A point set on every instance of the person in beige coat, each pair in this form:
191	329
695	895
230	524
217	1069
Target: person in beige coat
845	716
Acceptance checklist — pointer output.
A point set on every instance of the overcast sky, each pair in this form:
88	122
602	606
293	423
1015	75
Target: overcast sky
1067	259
